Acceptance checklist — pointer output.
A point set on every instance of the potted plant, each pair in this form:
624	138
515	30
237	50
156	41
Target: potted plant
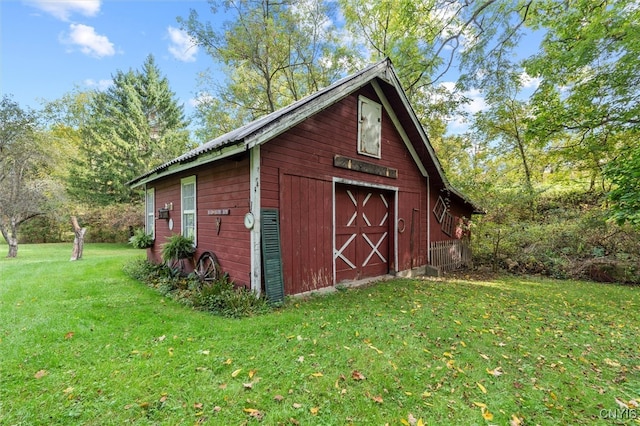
176	249
141	240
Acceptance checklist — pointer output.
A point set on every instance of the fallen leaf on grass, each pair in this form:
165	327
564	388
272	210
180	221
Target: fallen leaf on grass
198	405
40	374
248	385
411	421
296	405
256	414
496	372
377	399
356	375
236	372
318	374
515	420
482	388
69	335
314	410
486	414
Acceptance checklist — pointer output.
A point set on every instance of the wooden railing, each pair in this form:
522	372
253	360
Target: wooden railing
450	255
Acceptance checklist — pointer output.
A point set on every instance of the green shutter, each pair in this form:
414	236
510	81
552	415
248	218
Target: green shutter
271	255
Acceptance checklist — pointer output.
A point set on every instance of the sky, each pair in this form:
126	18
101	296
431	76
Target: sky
50	47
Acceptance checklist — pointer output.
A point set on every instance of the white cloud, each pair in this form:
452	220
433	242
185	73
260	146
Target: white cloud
529	82
182	46
63	9
475	102
89	41
100	85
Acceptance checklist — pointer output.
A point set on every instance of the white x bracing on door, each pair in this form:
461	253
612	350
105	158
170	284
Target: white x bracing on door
362	231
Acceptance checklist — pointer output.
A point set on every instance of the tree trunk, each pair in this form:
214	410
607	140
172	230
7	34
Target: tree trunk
11	238
78	241
13	247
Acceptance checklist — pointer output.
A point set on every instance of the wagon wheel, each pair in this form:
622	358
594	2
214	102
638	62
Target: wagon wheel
207	267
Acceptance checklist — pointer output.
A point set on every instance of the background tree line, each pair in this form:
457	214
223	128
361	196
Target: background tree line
557	171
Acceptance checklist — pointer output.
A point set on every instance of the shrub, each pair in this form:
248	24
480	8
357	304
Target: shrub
220	297
177	247
140	239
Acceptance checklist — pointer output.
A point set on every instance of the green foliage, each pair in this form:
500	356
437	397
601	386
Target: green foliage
624	172
177	247
220	297
273	53
26	160
133	126
140	239
223	298
571	237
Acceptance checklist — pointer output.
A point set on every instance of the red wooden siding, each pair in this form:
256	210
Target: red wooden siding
455	210
307	151
306	240
221	186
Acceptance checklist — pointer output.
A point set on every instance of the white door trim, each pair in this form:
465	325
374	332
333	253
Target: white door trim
394	189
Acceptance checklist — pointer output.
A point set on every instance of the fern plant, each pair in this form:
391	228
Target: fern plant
141	240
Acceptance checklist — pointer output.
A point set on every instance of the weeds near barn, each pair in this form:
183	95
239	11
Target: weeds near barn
82	343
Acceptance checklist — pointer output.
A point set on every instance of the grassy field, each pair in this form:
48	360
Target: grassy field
81	343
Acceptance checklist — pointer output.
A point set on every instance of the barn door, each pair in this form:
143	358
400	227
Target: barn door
361	232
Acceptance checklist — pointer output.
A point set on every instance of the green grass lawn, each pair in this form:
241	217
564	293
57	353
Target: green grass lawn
81	343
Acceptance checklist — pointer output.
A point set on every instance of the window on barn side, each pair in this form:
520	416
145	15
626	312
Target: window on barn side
369	127
188	206
150	213
440	209
447	224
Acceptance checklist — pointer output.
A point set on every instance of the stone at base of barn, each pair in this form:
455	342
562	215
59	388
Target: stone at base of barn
420	271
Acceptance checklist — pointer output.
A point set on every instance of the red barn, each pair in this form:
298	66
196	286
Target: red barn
345	179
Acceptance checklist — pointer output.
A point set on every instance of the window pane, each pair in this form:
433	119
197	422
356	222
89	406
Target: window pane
150	209
188	225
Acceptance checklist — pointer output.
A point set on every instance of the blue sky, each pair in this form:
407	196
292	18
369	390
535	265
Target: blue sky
48	47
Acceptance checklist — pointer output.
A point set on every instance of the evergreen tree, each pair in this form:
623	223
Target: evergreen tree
133	126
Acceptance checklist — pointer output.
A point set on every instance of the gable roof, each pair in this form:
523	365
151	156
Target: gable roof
384	80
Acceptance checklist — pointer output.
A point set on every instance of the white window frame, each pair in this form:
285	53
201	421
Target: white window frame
191	180
440	209
369	127
150	212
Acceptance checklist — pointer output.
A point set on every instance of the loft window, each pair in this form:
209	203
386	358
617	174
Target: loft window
369	127
188	206
440	209
150	202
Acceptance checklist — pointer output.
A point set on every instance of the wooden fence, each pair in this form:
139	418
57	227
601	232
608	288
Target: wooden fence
450	255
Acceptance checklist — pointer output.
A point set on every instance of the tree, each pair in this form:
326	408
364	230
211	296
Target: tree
590	88
133	126
624	172
272	53
24	165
